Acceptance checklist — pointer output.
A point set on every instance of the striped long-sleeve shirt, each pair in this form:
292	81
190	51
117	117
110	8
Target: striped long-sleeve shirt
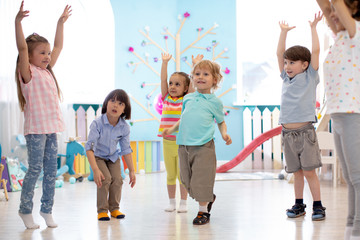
171	113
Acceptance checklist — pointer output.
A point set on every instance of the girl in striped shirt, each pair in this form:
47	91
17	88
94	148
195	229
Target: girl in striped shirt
172	96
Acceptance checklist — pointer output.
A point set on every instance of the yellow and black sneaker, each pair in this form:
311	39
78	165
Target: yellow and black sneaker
103	216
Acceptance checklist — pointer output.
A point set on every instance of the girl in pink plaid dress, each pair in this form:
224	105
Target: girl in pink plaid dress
39	95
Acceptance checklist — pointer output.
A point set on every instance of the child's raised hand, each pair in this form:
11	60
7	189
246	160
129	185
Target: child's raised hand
21	14
197	59
285	26
66	14
317	19
166	57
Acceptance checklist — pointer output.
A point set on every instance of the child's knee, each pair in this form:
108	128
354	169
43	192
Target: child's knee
117	180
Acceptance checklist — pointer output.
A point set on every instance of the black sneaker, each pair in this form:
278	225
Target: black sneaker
210	204
202	218
318	213
296	211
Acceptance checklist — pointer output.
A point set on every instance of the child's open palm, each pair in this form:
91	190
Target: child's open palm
317	19
66	14
166	57
197	59
21	14
284	26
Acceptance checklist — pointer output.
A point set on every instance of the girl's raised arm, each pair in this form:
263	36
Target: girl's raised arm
164	84
325	7
23	61
343	13
315	52
59	35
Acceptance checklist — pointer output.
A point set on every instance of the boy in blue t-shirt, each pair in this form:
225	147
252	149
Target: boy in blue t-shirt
299	71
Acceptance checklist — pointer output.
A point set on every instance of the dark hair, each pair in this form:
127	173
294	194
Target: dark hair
32	41
118	95
185	75
297	53
354	5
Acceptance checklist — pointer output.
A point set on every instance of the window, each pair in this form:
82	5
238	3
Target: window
258	75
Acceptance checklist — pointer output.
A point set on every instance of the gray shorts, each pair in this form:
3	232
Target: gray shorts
301	149
198	170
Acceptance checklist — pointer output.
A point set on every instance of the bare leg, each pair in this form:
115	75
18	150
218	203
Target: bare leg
171	192
314	184
183	192
299	184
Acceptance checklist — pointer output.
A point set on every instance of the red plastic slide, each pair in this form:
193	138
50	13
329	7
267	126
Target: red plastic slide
249	149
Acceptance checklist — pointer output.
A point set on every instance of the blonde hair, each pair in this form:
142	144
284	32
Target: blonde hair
214	68
32	41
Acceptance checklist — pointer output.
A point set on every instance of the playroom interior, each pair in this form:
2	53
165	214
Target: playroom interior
112	44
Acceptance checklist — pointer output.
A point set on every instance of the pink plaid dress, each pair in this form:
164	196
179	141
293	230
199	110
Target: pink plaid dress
42	109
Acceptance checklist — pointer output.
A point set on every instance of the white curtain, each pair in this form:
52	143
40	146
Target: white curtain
85	69
258	75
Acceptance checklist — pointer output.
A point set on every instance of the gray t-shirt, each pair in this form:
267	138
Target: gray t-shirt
298	97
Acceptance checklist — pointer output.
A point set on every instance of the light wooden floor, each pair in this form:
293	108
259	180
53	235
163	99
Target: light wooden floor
243	210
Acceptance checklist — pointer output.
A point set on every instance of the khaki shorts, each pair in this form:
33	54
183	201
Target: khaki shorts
301	149
198	169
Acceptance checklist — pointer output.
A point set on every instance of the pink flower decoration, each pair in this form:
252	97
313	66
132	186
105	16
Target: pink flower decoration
131	49
166	37
156	59
227	71
199	29
143	85
186	15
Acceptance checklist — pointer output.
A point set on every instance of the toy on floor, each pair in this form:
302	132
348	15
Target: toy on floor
72	149
59	183
3	182
19	149
16	174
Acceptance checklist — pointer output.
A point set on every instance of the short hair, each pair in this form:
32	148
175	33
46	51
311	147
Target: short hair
214	68
297	53
118	95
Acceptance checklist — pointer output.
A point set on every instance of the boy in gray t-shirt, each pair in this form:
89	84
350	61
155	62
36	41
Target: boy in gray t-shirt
298	69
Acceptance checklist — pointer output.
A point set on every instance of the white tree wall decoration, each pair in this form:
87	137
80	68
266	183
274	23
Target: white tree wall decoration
178	55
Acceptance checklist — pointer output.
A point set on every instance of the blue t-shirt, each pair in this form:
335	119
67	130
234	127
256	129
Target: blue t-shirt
104	138
298	97
197	125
